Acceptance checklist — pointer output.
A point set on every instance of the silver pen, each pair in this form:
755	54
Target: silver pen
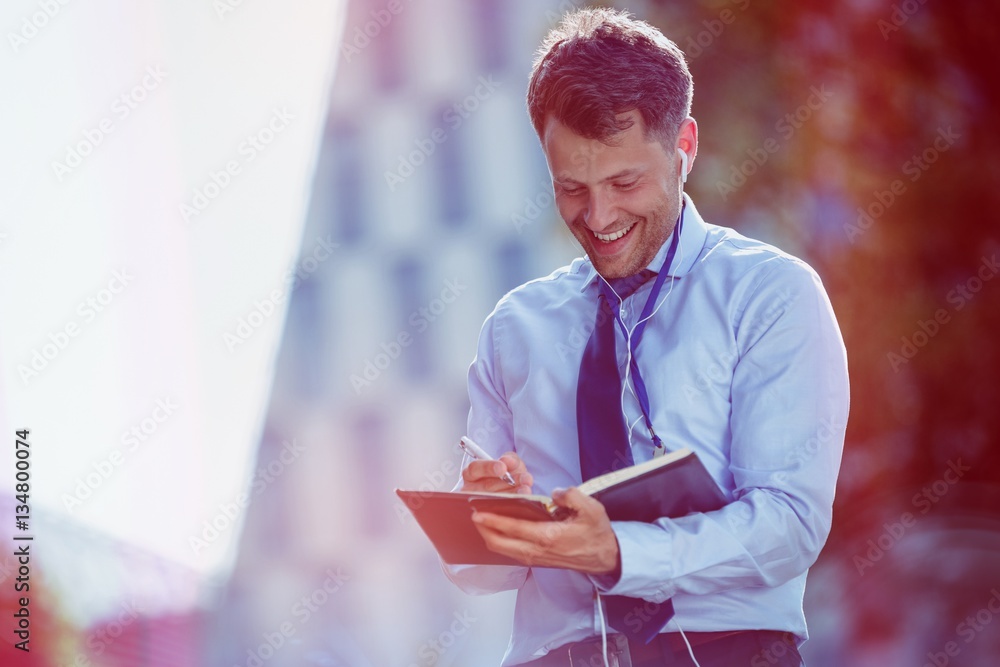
476	452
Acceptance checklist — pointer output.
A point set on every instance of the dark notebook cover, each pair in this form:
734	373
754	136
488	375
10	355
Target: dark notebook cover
674	490
446	518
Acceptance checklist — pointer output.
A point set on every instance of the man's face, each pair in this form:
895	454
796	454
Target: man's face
620	202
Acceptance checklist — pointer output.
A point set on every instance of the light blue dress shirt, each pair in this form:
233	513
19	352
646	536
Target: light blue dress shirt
745	366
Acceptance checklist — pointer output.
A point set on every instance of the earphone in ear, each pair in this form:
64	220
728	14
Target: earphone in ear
684	165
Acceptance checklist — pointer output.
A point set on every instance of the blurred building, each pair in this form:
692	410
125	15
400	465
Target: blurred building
432	190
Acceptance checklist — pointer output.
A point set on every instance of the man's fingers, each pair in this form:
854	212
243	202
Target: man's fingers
488	475
524	482
507	546
500	524
515	465
538	532
571	498
481	476
478	471
527	541
577	501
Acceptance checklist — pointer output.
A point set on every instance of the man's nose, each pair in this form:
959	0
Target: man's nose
599	213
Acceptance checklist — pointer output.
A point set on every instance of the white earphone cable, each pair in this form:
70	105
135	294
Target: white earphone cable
604	630
687	643
628	343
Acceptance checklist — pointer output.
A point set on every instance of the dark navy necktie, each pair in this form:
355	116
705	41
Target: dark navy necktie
604	442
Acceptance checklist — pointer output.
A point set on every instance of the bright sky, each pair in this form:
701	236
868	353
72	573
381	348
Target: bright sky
115	301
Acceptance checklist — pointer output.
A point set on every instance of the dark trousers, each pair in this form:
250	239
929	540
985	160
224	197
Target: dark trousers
756	648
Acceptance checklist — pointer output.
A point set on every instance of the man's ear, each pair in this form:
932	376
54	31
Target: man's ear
687	146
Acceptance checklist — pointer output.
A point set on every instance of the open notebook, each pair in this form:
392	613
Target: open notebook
672	485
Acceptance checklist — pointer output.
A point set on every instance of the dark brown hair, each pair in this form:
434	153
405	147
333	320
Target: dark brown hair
599	63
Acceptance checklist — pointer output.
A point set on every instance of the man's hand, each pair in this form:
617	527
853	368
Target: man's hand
481	476
584	542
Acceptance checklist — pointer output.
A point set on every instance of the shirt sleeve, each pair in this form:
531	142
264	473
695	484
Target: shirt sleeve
490	426
790	400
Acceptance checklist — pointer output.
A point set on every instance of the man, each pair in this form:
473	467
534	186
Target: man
740	359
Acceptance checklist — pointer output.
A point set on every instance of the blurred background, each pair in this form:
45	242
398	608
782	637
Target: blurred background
297	227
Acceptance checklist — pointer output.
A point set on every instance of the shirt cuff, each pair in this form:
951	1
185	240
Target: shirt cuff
644	552
485	579
605	582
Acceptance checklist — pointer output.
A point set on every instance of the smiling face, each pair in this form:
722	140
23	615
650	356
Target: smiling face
620	201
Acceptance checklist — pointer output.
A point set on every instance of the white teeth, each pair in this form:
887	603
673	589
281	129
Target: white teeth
614	236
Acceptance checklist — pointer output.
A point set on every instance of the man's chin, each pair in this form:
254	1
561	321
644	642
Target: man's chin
609	266
623	263
612	270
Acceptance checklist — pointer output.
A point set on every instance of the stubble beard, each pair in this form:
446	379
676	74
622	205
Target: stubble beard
656	229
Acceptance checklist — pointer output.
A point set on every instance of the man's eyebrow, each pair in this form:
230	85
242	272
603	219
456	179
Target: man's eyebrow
624	173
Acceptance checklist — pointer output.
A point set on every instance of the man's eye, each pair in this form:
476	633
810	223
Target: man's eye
572	192
626	186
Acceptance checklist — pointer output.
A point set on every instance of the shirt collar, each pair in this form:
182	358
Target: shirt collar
694	231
